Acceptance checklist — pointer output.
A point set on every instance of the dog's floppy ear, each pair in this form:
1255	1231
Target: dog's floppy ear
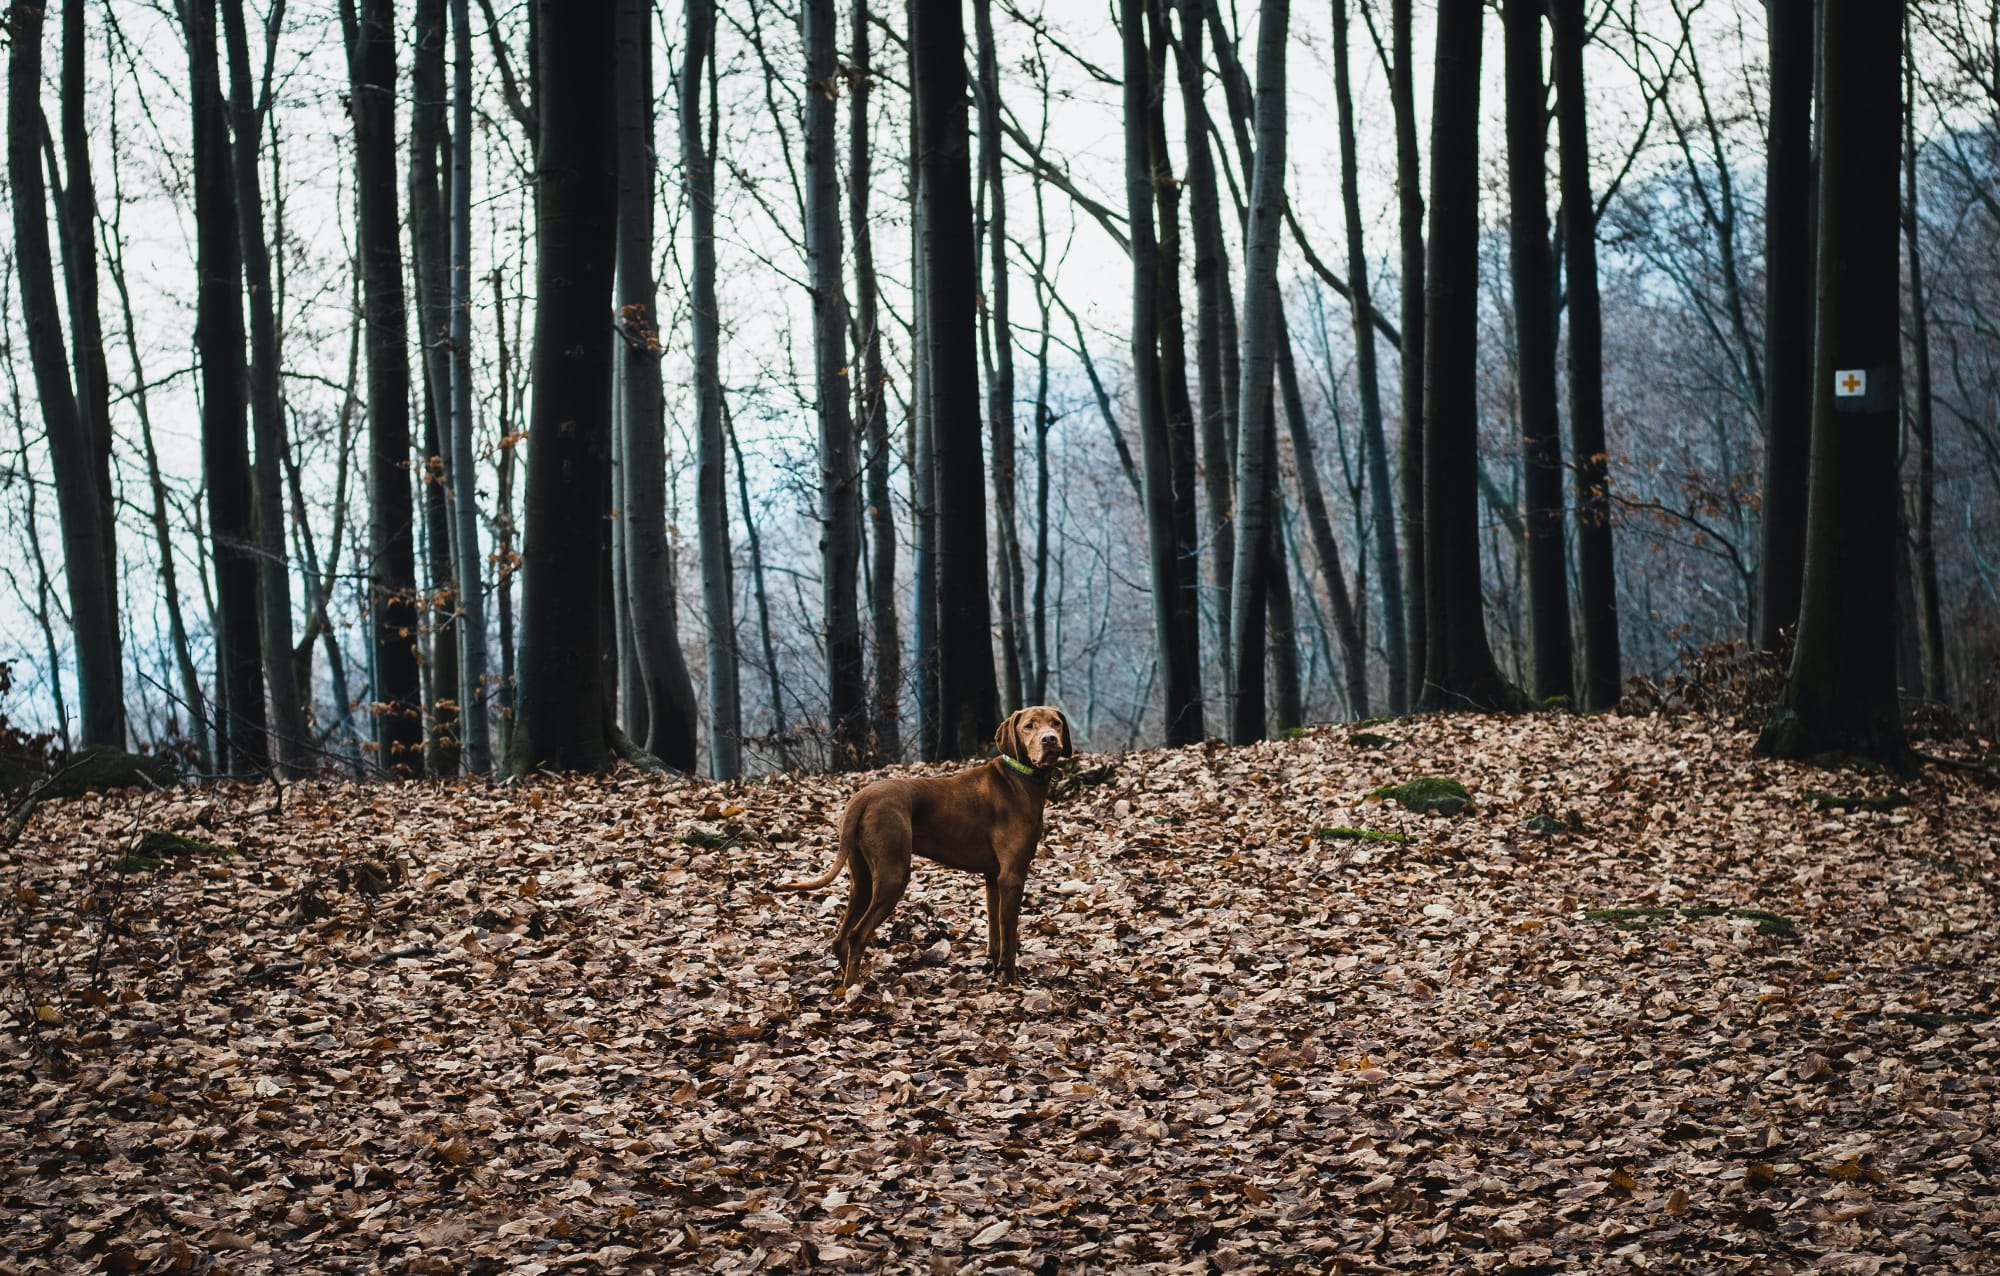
1062	721
1007	739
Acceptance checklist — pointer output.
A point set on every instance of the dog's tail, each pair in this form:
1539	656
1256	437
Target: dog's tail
824	879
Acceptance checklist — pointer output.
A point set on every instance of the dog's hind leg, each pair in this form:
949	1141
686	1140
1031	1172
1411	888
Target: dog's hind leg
860	892
886	832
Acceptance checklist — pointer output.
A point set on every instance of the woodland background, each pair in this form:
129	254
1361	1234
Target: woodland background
290	289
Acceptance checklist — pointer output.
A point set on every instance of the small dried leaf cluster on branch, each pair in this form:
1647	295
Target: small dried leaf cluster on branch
1644	1004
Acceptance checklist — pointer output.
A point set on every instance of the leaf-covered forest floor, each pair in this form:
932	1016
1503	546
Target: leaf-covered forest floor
568	1027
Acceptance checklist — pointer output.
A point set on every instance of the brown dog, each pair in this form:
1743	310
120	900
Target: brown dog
987	820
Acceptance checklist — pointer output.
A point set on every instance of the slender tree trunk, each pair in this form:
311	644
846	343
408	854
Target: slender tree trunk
77	210
780	729
460	469
1788	320
224	406
1533	276
1459	671
442	748
93	612
666	688
1360	297
886	710
1930	609
1000	387
1215	321
503	515
840	475
1261	333
1597	582
560	721
267	423
1410	224
967	692
1174	629
1353	650
1288	707
718	586
398	698
923	453
1841	693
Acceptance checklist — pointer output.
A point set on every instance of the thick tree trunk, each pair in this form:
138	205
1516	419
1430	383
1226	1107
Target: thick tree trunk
1361	298
665	687
92	610
1597	581
1174	629
1788	320
225	439
967	693
460	471
1179	406
267	422
398	697
1533	278
1841	693
886	708
1930	608
1459	672
718	586
560	722
1215	323
1261	333
839	474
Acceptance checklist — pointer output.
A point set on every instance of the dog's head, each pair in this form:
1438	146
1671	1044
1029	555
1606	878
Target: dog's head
1038	736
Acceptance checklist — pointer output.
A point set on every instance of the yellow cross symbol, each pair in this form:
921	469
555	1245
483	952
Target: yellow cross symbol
1852	384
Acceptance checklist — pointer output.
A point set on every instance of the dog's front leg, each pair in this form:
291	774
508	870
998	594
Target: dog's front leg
1009	887
992	922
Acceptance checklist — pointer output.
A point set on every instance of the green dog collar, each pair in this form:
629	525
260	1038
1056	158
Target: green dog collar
1033	773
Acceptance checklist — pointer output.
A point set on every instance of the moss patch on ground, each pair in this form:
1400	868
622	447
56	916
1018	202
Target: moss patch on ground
1346	834
1427	794
1643	918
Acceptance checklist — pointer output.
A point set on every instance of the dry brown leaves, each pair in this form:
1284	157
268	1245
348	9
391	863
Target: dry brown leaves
568	1027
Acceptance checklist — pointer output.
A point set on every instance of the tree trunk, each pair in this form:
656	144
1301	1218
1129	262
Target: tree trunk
1361	299
1533	279
886	710
1841	693
840	476
92	609
77	211
1288	707
398	697
1000	380
967	693
780	730
1174	631
442	746
1597	581
1353	651
923	455
460	469
666	688
560	722
1459	672
1788	320
267	422
718	586
1261	332
1410	223
1215	322
225	439
1930	609
1179	408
